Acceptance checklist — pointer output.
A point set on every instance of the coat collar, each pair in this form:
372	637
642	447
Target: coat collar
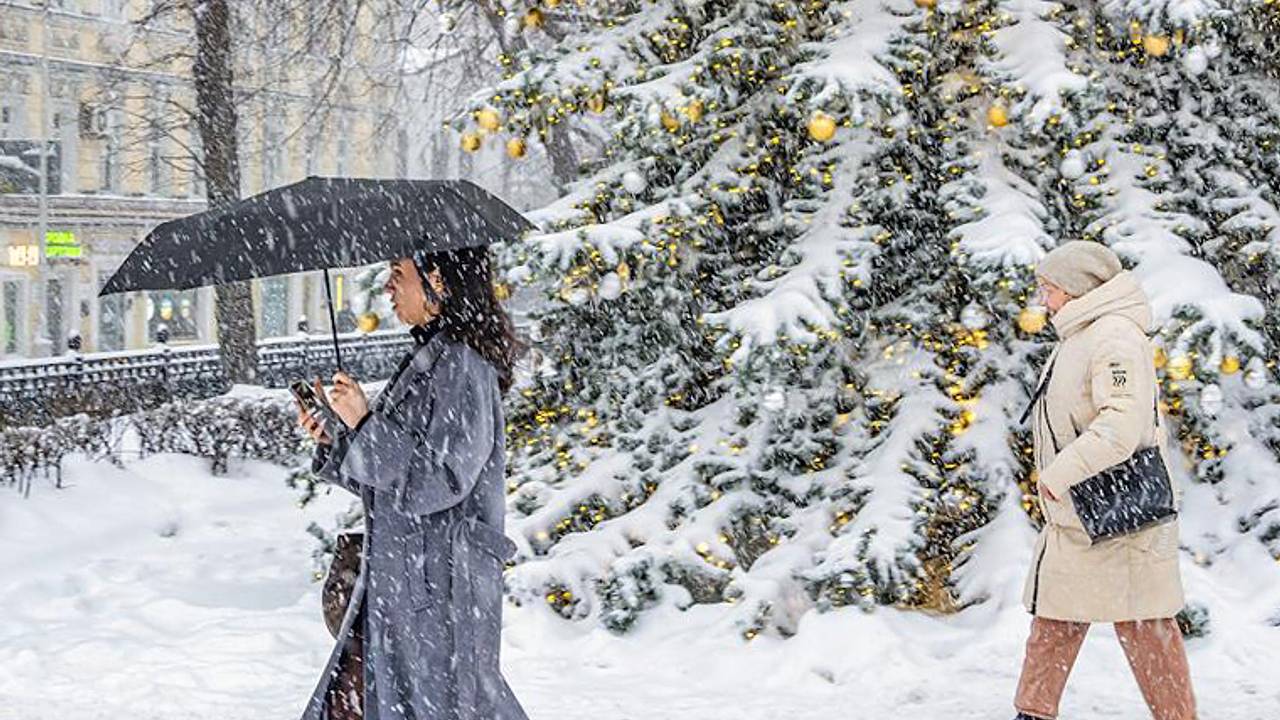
1121	295
422	334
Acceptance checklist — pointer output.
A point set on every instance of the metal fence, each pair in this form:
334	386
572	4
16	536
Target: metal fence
35	392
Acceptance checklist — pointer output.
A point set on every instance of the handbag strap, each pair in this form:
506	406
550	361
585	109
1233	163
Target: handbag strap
1044	386
1040	390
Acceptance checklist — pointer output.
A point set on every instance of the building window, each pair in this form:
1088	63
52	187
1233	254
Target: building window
175	310
110	318
402	152
10	315
157	163
272	150
274	307
344	144
54	320
111	152
311	150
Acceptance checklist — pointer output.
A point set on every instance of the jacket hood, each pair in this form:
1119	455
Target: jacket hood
1121	295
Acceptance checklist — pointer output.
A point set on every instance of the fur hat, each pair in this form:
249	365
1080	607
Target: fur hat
1079	266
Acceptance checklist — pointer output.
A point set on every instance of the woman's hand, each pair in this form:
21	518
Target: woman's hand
1044	490
347	399
313	425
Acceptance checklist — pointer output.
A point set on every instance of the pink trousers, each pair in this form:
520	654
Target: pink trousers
1153	647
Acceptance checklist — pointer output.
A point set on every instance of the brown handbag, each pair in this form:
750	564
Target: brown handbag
341	580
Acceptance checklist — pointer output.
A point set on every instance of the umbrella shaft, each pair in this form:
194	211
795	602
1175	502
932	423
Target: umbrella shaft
333	325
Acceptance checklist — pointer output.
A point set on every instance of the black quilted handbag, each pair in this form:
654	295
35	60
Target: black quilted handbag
1127	497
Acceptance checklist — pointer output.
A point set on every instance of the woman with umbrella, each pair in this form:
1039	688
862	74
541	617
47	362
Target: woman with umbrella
427	459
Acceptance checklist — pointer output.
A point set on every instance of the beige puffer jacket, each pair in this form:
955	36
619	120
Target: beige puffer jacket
1097	409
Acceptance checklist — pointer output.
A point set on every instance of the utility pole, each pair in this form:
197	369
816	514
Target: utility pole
42	344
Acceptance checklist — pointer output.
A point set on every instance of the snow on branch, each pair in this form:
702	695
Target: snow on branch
1033	57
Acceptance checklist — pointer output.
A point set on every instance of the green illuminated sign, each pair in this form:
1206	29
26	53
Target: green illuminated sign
61	243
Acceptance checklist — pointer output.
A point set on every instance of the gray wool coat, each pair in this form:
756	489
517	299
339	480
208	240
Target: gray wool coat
428	465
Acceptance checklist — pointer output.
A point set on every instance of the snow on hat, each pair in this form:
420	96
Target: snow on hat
1079	266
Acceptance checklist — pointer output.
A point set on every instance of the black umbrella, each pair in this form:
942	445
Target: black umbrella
316	224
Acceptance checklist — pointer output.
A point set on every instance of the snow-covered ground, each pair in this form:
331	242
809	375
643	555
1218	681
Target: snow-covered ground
161	592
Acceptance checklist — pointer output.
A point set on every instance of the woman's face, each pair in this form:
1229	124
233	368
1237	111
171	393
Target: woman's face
1051	296
408	299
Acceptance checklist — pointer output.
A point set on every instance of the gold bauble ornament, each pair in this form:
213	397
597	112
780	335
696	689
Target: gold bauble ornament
694	111
1161	358
533	19
488	119
822	127
927	4
516	147
1032	320
553	4
670	122
368	322
502	291
998	116
624	270
1179	367
1156	45
1230	365
470	142
595	103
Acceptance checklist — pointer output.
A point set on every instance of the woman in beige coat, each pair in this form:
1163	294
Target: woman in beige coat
1097	408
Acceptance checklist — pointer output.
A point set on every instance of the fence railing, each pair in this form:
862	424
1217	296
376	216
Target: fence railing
37	391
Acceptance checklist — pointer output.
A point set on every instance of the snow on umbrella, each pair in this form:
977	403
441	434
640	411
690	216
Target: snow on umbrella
316	224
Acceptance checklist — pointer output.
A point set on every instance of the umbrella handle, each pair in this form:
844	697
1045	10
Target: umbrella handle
333	325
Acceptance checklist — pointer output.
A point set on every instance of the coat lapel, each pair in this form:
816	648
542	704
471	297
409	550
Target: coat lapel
423	363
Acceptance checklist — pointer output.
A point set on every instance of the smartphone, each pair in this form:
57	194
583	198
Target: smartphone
306	396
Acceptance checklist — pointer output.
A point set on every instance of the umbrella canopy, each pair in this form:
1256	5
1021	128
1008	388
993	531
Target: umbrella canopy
316	224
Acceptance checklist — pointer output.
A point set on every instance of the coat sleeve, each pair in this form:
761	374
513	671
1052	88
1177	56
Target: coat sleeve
429	451
1118	386
326	461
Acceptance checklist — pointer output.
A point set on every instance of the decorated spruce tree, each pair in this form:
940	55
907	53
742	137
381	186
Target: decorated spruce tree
786	340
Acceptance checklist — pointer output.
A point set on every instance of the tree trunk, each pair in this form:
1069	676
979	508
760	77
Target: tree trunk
559	145
216	118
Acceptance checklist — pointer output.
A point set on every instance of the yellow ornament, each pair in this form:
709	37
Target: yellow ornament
1156	45
488	119
595	103
470	142
998	116
553	4
1135	32
516	147
822	127
624	270
670	122
694	111
533	19
368	322
1179	36
502	291
1179	367
927	4
1230	365
1161	358
1032	320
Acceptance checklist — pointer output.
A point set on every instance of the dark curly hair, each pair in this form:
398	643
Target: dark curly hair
471	312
